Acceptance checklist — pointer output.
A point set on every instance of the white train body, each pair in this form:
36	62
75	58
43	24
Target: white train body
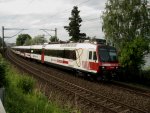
85	57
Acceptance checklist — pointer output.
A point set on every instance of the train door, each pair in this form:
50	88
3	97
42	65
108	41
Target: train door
93	64
42	55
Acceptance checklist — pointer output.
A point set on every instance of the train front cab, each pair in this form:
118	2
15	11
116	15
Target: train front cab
108	62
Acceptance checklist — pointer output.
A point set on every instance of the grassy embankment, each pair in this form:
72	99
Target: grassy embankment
22	97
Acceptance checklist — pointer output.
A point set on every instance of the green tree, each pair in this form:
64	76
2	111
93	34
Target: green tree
53	39
74	25
39	39
124	20
2	72
126	24
28	42
22	38
132	55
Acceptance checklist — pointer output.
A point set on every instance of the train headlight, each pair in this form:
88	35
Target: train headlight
116	67
103	67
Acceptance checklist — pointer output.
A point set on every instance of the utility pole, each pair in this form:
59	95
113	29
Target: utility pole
55	34
3	38
55	30
3	34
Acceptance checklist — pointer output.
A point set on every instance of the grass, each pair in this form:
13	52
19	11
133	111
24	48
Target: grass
22	96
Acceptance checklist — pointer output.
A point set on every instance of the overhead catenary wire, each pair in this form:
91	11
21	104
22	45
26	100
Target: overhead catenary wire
61	12
69	9
83	2
92	19
15	34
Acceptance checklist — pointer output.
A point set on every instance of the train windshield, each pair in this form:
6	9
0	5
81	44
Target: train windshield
108	54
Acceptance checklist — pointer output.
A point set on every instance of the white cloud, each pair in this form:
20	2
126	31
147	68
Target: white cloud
37	14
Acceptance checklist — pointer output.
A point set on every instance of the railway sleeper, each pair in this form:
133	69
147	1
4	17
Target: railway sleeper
98	99
126	111
103	102
92	96
116	107
109	104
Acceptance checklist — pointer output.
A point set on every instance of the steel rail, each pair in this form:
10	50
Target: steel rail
81	88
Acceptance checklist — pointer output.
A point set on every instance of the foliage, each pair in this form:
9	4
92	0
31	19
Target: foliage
17	101
2	72
146	76
126	25
26	84
21	39
125	20
74	25
132	54
38	40
53	39
28	42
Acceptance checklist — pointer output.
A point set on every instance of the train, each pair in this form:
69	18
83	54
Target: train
97	61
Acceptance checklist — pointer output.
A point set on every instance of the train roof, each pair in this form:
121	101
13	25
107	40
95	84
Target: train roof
60	46
71	46
21	47
36	46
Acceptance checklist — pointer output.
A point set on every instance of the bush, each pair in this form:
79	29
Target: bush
132	55
26	84
21	97
2	73
17	101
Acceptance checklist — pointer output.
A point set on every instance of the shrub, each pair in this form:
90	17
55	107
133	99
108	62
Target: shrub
2	73
26	84
22	98
132	55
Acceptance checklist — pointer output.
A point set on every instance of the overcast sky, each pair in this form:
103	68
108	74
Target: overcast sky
50	14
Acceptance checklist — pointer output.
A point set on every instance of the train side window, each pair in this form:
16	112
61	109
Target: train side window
66	54
72	55
48	52
94	56
90	55
60	53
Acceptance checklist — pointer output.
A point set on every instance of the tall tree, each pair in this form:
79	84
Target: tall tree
22	38
124	20
53	39
126	24
28	42
74	25
39	39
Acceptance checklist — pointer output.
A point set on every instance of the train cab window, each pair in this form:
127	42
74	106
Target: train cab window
90	55
94	56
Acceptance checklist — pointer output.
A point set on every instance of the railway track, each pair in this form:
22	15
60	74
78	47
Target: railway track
132	89
90	100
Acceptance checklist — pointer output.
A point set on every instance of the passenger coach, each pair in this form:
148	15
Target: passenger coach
96	60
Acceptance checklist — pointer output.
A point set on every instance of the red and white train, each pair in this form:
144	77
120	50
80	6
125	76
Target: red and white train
96	60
